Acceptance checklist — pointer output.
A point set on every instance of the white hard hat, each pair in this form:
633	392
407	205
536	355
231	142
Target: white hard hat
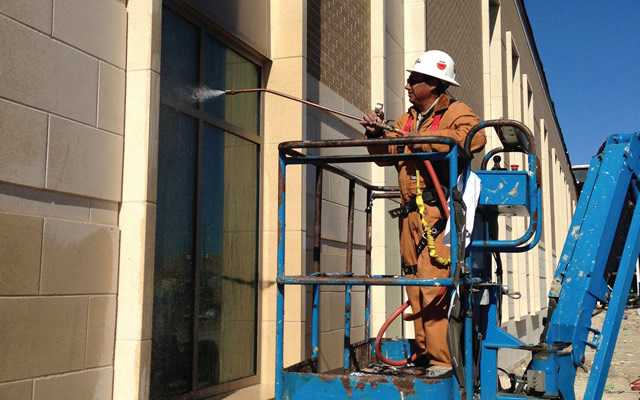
438	64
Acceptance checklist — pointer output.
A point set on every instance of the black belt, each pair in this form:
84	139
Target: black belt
429	197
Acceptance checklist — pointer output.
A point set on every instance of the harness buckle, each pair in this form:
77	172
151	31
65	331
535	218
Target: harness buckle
410	269
401	212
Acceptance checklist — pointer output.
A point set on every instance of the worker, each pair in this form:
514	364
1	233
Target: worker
433	113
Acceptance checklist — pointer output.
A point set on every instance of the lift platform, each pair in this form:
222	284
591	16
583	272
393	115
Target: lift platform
611	191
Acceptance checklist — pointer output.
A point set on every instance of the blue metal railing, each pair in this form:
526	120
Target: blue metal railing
289	155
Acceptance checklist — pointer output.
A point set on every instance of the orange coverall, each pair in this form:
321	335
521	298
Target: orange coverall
456	121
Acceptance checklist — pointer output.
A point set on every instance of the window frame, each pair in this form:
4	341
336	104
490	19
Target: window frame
209	28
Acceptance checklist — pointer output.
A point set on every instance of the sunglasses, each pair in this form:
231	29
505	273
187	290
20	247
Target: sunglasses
414	80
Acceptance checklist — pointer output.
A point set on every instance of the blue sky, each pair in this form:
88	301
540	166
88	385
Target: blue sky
590	51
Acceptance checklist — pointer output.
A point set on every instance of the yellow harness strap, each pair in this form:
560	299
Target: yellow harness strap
427	229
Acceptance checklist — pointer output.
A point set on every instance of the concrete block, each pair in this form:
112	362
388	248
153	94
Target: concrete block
93	384
357	309
111	99
21	390
47	74
337	304
357	334
23	200
325	310
331	354
84	161
101	329
332	262
103	212
52	331
98	27
20	245
338	188
35	13
334	222
23	134
79	258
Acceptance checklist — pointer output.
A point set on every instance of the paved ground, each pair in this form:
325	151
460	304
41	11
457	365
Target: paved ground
625	366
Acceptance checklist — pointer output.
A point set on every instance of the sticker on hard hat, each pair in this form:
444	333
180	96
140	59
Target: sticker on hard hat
441	65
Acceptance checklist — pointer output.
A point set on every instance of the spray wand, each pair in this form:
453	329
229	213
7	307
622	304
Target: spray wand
310	103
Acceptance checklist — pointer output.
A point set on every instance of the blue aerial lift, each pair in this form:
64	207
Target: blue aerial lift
602	238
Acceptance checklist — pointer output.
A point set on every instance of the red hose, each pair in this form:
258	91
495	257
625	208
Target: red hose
409	317
421	313
436	183
381	332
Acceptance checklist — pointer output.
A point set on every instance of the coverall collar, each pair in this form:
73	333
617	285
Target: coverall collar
441	103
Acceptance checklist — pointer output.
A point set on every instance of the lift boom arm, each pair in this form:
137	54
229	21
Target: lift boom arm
602	238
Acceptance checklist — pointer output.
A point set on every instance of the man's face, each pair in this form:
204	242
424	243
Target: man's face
420	88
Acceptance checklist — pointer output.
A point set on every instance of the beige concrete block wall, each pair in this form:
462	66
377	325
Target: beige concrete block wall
61	124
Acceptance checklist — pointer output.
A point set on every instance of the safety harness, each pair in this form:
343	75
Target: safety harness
417	203
429	197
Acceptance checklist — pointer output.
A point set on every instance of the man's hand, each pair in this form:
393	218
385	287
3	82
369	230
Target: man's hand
369	120
415	148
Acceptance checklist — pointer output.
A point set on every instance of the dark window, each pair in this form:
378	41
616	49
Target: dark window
206	257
